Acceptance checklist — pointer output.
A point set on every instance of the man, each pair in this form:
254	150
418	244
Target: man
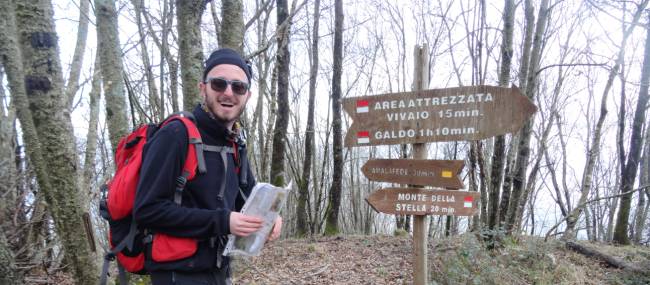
186	236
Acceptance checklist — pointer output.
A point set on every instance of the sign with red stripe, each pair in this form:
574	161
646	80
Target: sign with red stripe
362	106
363	137
449	114
469	200
420	201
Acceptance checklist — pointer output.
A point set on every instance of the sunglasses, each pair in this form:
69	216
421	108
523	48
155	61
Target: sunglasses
220	85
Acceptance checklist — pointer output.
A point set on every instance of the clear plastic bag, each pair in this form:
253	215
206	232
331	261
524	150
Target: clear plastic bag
265	201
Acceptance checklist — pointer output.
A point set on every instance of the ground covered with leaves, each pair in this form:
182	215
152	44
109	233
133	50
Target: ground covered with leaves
382	259
458	260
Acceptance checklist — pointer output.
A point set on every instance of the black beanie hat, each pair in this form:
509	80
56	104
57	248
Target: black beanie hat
227	56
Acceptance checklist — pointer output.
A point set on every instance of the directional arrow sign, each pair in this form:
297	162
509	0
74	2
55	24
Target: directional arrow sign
420	201
450	114
439	173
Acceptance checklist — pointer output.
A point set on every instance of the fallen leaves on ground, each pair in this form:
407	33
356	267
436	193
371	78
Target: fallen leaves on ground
463	259
330	260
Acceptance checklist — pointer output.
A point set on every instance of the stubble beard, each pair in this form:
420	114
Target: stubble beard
212	103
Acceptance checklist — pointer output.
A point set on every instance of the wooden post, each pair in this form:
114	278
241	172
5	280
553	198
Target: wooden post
420	232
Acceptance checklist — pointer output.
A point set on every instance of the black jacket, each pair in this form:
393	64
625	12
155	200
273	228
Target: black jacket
203	215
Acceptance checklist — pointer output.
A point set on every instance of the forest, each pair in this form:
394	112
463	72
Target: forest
78	75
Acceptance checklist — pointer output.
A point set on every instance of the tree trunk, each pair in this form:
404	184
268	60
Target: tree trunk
215	18
483	181
644	180
507	181
636	143
258	122
78	58
521	165
7	263
13	63
8	187
611	219
263	65
473	184
532	177
529	14
50	123
282	115
556	185
155	107
318	219
590	225
163	45
7	165
610	260
334	201
272	112
173	75
564	207
231	33
504	204
91	136
640	218
594	151
108	43
166	23
188	13
8	268
498	156
403	222
303	198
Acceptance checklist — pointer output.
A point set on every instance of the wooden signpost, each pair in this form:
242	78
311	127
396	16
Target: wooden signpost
420	201
450	114
420	222
419	117
440	173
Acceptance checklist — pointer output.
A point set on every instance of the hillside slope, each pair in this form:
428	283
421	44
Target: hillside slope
459	260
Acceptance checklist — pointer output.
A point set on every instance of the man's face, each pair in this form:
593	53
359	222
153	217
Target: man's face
226	106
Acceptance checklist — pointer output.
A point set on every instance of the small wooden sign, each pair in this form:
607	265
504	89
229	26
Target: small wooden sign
420	201
438	173
450	114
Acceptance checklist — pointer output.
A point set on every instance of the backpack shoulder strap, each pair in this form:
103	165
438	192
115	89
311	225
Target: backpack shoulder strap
196	147
243	168
194	157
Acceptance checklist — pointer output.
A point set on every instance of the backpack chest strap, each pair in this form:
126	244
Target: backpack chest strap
218	148
223	151
200	148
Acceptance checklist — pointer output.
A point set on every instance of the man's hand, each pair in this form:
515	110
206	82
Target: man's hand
243	225
277	229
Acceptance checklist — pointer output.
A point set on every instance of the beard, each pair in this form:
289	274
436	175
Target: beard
227	115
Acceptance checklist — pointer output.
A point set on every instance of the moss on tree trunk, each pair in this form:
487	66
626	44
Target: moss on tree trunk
46	102
334	202
636	144
232	25
282	118
189	14
111	64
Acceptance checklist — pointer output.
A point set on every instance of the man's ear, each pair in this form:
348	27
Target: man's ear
202	90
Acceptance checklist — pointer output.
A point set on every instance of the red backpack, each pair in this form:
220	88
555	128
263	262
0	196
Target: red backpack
118	196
